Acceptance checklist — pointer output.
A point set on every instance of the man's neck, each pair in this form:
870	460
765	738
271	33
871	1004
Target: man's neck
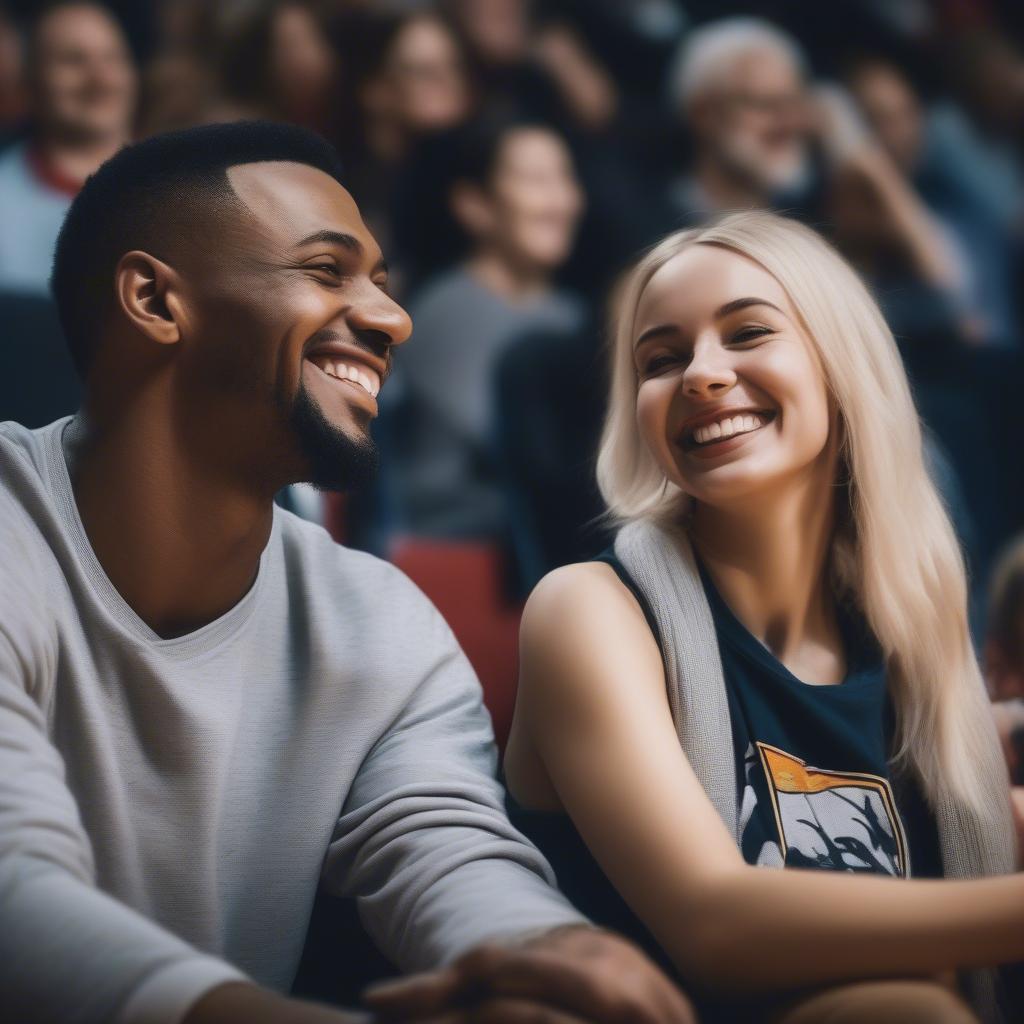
180	542
769	560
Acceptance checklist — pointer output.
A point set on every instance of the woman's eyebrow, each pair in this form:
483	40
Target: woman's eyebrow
655	332
738	304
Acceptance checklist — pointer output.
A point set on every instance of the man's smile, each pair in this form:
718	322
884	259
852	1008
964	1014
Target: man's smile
367	379
358	372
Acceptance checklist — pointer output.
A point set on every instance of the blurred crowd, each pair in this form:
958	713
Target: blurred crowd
511	157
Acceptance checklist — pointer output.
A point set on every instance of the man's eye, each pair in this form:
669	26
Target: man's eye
330	268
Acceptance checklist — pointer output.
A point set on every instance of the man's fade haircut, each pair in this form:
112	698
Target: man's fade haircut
151	194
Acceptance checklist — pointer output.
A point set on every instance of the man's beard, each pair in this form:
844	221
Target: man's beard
786	174
336	462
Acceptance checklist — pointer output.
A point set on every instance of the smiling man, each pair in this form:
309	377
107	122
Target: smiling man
206	706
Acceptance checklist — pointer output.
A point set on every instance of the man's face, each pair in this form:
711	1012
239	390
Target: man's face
84	79
755	120
293	329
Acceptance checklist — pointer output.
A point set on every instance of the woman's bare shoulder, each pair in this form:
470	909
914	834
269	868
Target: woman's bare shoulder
579	588
580	621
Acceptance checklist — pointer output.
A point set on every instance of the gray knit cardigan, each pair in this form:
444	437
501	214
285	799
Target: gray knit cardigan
663	567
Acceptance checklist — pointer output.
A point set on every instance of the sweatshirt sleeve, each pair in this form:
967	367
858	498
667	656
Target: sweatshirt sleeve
68	951
423	842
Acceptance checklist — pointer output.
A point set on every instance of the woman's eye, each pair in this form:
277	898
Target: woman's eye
751	333
657	363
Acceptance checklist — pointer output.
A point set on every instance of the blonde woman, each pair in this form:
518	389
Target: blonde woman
772	668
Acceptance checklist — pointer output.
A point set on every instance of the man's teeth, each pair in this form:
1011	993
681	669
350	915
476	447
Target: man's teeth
729	427
368	379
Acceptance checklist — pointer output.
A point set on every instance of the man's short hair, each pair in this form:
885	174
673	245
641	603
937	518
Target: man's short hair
707	54
151	195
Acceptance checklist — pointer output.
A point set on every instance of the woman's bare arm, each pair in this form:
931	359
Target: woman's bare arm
593	710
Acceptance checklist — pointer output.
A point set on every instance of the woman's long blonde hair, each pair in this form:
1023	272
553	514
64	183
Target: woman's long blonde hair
894	551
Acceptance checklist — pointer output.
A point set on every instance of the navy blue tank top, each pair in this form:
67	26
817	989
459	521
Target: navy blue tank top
814	788
813	784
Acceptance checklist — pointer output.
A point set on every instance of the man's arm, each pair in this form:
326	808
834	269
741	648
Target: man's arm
68	951
442	878
423	841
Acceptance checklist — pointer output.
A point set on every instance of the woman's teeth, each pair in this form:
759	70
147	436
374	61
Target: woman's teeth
729	427
367	379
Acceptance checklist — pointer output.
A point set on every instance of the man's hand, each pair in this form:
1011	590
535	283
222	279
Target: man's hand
572	974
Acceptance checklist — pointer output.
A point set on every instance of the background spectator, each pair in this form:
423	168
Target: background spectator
408	81
739	86
82	91
978	239
12	94
515	198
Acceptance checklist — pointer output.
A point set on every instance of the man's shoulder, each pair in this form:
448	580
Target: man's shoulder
23	452
26	558
348	576
33	503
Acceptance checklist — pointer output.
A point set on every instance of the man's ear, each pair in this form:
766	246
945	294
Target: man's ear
471	208
148	292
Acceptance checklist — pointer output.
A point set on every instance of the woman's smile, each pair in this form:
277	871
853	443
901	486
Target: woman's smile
722	431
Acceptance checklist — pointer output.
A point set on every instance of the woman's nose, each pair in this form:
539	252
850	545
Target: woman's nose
709	371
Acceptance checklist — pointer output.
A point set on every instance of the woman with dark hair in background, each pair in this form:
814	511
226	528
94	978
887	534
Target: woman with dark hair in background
279	63
408	83
515	199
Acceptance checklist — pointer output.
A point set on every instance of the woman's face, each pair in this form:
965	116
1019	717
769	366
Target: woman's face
426	76
534	198
731	397
302	61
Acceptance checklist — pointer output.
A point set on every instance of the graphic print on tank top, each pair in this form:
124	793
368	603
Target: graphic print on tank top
797	815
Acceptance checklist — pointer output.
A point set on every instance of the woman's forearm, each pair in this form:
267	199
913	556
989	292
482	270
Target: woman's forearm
761	929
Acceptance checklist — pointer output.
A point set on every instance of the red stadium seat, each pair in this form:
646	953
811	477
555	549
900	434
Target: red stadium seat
465	579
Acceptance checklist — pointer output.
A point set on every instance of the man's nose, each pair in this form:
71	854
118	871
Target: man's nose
379	314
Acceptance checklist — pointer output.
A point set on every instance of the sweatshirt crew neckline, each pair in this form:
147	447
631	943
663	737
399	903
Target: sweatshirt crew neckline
195	643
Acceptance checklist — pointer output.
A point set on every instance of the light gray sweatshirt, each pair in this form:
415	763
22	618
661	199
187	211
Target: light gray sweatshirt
167	807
